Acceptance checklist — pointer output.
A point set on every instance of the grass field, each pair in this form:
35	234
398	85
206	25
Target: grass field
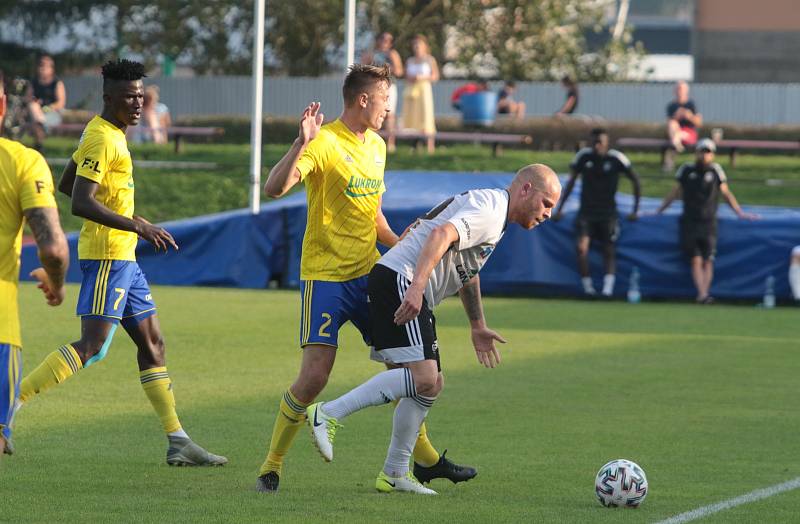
704	399
166	194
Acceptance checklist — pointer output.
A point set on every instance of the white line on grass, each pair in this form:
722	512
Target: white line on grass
732	503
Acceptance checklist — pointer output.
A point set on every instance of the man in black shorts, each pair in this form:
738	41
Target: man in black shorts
701	184
597	219
440	255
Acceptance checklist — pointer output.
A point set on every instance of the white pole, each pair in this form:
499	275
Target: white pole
257	116
350	31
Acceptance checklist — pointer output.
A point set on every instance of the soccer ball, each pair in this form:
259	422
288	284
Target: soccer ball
621	483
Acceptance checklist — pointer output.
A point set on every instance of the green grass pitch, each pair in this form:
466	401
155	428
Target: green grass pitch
703	398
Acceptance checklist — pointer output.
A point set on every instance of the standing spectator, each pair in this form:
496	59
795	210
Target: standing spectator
469	88
682	119
47	98
597	219
794	274
506	103
700	185
571	103
155	118
384	54
421	71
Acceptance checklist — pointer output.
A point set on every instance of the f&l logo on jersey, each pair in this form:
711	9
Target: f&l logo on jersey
94	165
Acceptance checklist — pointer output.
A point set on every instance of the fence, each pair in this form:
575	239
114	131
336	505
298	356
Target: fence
753	104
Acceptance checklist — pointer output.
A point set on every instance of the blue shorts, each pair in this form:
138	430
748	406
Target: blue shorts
326	306
114	290
10	373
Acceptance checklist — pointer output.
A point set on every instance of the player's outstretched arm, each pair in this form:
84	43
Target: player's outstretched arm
483	338
68	178
436	245
729	197
673	195
53	252
84	205
637	193
284	174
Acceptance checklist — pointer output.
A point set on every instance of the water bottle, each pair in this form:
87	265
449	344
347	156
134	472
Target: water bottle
634	295
769	292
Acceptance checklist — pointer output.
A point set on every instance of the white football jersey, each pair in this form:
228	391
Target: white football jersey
479	216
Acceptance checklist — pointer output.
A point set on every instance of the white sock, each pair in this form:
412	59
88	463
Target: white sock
794	280
408	416
179	434
381	389
608	284
588	287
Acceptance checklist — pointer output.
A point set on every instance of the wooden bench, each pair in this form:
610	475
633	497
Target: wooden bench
176	133
732	146
497	140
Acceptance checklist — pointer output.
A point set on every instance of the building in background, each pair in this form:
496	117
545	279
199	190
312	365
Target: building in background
746	41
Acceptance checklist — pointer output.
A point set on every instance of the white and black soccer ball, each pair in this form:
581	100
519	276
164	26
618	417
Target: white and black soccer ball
621	483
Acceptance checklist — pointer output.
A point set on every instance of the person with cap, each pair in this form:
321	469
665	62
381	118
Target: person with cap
700	184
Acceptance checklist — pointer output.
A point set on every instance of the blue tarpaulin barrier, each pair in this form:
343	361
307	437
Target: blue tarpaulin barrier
238	249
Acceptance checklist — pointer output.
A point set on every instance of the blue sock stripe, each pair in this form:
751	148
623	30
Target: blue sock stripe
69	358
294	406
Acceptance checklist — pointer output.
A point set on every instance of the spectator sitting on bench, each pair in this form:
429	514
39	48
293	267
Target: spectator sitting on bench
47	98
682	119
506	103
475	86
571	103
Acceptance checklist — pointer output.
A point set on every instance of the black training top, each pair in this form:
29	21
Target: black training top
45	92
572	91
600	180
673	106
701	191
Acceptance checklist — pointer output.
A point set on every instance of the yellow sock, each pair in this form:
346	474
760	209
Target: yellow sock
424	452
291	415
57	367
158	388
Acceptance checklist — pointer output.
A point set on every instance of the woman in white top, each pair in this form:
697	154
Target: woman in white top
421	71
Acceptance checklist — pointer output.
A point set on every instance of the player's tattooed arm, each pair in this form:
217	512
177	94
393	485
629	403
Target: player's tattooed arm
483	338
470	295
53	252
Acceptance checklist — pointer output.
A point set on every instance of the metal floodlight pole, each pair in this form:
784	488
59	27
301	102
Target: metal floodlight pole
257	114
350	31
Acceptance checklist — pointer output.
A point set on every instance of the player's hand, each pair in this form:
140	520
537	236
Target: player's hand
633	217
410	307
483	340
749	216
310	123
52	295
158	236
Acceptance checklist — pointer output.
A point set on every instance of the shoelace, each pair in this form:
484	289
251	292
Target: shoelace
332	427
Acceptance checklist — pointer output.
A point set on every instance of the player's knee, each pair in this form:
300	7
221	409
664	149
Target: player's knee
427	383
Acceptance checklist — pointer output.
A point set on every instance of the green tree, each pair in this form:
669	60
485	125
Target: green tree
536	40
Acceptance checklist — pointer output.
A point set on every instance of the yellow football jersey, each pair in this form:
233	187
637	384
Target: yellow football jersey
103	157
25	183
344	184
